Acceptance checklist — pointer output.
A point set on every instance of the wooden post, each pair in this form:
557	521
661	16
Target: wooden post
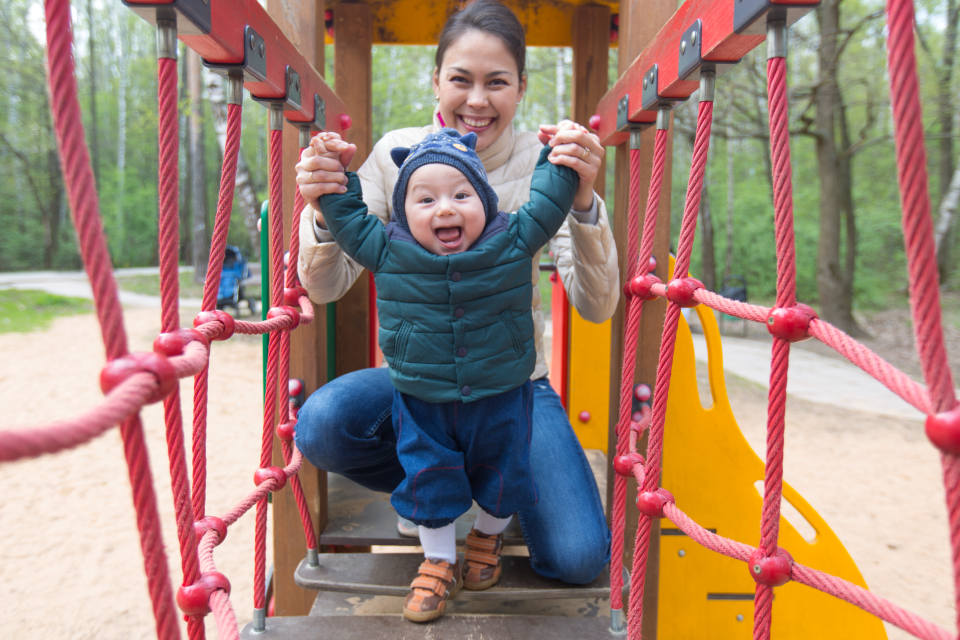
640	20
303	24
353	62
591	50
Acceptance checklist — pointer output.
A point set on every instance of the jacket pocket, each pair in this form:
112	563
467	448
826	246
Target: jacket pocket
513	330
403	338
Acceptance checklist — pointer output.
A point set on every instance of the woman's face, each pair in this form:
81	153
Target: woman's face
479	86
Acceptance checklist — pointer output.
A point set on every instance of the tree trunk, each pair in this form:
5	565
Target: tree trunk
198	192
123	46
183	160
948	207
93	138
709	263
728	269
246	195
945	115
849	214
835	302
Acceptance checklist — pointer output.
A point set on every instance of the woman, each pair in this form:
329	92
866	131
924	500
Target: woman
345	427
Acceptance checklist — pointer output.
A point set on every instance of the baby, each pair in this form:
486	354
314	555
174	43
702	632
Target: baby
453	298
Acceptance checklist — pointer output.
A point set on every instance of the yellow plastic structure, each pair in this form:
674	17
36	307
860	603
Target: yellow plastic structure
712	471
589	381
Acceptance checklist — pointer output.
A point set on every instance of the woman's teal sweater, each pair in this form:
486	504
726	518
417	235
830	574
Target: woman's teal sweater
456	327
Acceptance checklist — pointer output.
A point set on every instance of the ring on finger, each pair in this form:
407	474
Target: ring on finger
586	152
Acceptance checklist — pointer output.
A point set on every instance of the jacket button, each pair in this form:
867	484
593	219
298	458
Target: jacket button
458	312
462	351
455	276
465	390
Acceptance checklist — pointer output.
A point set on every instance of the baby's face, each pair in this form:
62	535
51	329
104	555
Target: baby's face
444	212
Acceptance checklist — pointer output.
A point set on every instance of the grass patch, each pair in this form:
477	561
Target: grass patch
26	310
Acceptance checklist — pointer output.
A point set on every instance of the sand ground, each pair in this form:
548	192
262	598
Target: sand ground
70	565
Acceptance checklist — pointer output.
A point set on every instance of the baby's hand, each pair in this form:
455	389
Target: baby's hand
329	145
322	166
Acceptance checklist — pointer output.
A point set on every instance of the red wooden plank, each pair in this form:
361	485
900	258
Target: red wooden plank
224	44
720	44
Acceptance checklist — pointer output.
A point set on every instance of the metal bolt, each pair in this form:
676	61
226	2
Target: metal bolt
644	83
756	569
262	50
693	37
298	85
683	47
651	76
253	42
681	553
739	617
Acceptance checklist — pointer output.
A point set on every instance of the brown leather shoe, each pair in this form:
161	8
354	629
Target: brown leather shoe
436	581
483	567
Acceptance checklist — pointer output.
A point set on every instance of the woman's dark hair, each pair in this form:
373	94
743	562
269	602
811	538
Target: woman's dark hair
486	16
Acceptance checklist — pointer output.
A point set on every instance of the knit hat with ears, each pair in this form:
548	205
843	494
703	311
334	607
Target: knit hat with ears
446	146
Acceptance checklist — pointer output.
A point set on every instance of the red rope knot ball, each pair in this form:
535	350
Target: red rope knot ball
286	430
291	296
345	121
791	323
194	599
652	264
641	286
624	464
262	475
642	392
224	318
595	122
123	367
680	291
209	523
943	429
173	343
650	503
773	571
285	311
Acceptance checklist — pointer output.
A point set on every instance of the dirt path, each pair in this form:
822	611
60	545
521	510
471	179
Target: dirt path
70	566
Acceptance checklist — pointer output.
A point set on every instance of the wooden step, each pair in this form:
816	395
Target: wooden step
450	627
391	574
361	517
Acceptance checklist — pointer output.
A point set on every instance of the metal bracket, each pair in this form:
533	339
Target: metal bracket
192	16
623	113
651	98
691	61
292	98
751	16
254	65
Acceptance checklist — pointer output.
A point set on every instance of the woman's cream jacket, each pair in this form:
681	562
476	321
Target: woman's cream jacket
585	253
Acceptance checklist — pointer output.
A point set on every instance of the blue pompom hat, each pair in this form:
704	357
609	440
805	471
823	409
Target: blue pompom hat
446	146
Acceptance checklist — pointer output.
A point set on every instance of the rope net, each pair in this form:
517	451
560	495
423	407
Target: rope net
132	380
788	322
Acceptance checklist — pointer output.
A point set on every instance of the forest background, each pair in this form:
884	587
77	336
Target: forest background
850	254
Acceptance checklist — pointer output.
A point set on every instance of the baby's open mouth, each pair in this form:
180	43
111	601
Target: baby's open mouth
449	236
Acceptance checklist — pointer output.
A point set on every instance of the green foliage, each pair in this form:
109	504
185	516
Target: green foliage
25	310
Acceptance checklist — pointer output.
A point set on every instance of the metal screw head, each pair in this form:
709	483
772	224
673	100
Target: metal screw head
756	569
681	553
644	83
683	47
298	85
253	42
651	76
693	37
739	617
262	50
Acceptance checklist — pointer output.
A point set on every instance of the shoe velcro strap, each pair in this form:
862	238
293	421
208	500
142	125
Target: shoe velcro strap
445	574
484	558
481	543
430	584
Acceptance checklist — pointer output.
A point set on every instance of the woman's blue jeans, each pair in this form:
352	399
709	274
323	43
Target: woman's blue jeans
345	427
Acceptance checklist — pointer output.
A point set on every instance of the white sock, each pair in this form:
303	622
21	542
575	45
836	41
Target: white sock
440	544
489	525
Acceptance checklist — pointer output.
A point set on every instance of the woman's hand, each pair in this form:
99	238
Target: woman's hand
575	147
321	169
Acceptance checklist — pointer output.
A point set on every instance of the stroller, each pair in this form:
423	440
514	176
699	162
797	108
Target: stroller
233	278
734	287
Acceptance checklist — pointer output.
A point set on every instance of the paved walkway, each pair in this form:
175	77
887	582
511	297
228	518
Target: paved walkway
74	284
811	377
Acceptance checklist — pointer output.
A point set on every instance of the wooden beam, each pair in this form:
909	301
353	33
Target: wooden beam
639	22
353	61
591	49
302	23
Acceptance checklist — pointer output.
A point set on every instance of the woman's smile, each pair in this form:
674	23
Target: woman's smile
474	123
